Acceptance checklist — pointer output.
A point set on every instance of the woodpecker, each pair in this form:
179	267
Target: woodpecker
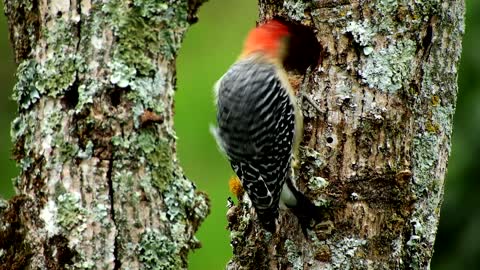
259	125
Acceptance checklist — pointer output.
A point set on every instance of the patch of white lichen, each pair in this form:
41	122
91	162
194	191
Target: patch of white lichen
388	69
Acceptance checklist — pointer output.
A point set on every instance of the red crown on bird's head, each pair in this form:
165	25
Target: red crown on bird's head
269	37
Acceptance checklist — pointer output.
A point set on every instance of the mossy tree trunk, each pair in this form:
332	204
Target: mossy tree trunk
100	186
376	149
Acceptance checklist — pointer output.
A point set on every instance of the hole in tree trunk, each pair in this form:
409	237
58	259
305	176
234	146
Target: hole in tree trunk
70	98
116	96
303	50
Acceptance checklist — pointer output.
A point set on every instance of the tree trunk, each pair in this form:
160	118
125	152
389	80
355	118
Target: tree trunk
376	148
100	186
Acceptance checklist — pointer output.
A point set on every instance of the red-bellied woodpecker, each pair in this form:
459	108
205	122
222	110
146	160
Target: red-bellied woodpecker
260	125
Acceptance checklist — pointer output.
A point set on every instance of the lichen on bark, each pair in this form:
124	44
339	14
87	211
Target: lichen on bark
101	177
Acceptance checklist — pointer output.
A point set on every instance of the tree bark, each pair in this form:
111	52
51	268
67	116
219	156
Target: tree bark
100	186
376	149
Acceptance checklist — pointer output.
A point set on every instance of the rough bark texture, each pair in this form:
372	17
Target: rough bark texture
100	186
377	151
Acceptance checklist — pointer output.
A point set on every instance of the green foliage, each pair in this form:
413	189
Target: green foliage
209	48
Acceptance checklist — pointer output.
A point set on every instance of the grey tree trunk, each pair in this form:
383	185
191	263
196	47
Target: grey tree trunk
377	151
100	186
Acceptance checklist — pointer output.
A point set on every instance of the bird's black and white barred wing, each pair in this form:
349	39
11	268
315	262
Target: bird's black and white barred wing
256	125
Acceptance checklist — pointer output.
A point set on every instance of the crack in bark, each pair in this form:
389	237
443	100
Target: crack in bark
116	261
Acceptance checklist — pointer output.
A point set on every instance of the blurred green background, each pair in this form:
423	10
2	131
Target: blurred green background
209	48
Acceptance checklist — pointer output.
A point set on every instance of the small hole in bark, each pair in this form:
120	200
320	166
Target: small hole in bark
427	39
329	139
60	255
70	98
355	45
303	50
115	96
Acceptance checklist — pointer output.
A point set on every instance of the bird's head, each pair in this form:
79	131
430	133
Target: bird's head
270	38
